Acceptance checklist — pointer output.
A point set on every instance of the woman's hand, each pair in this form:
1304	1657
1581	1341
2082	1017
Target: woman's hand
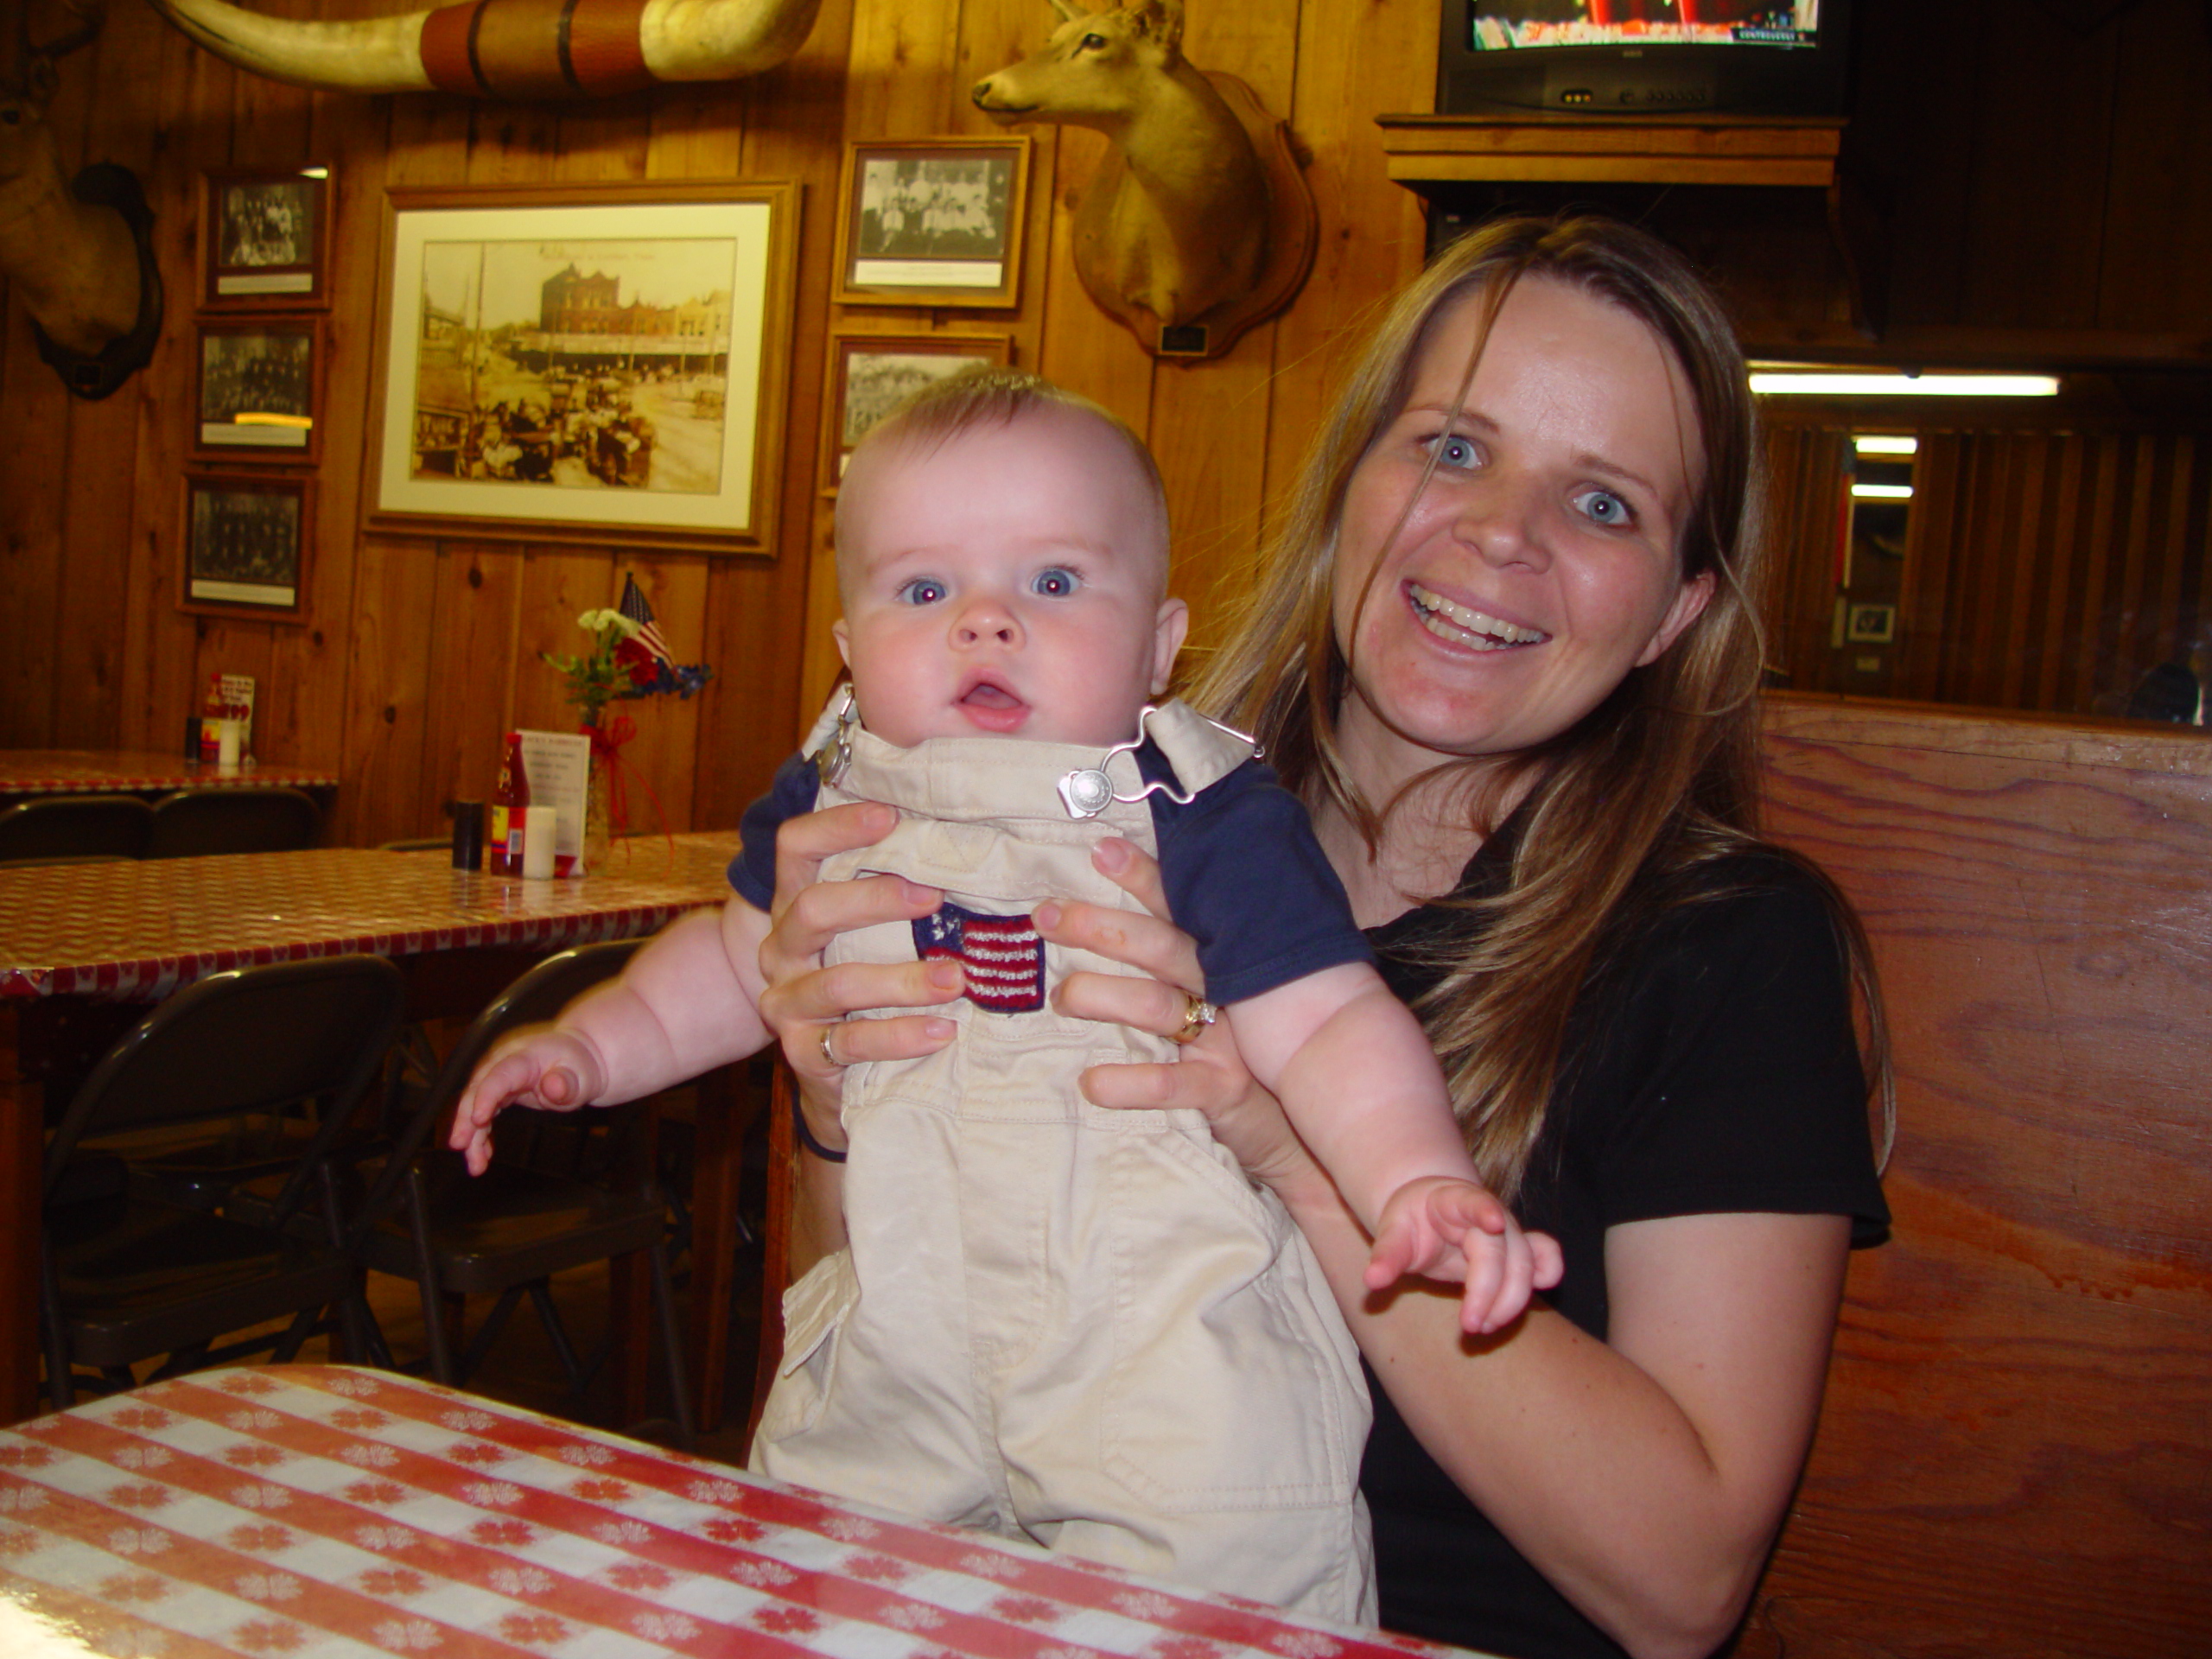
805	1003
1209	1075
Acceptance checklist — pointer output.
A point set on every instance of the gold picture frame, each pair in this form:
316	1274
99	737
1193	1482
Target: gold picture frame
870	373
600	363
267	236
933	222
257	389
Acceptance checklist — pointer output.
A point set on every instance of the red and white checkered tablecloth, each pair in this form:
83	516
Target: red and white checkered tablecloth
132	930
135	772
324	1512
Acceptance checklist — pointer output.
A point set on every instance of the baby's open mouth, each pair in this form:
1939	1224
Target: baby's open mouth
990	707
1463	627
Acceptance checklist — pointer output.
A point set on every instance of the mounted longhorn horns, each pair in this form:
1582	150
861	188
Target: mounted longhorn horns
508	49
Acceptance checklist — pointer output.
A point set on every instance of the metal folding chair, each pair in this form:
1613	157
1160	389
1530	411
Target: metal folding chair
192	821
75	829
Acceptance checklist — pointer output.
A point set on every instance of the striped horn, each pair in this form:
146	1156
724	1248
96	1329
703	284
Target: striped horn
507	49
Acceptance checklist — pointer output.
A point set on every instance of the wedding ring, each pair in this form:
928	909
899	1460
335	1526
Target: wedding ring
1198	1014
829	1058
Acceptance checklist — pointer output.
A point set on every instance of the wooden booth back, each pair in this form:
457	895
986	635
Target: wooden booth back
2015	1454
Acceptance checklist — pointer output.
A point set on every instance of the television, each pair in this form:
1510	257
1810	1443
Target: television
1642	57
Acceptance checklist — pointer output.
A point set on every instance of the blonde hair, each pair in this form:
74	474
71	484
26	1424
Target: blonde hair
994	395
1658	780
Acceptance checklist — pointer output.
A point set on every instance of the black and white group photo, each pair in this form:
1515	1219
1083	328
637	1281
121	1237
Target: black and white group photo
933	206
268	373
269	222
245	538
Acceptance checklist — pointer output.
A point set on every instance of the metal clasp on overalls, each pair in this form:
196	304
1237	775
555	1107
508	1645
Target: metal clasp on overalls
835	758
1090	792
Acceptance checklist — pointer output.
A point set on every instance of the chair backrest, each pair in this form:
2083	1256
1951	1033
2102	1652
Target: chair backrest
249	1040
196	820
537	994
77	827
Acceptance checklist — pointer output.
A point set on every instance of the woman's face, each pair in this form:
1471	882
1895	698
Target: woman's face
1538	565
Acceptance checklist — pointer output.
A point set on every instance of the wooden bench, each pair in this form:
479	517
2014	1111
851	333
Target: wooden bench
2015	1454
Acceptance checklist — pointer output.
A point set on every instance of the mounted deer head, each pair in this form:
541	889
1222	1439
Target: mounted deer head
1176	221
76	254
507	49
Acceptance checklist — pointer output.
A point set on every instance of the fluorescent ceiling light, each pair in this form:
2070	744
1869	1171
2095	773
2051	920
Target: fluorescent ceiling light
1882	492
1876	443
1767	381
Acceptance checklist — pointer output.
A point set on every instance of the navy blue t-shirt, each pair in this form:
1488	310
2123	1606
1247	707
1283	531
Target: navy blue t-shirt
1244	875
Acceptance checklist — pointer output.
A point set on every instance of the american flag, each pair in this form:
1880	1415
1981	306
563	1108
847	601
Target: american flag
634	606
1002	955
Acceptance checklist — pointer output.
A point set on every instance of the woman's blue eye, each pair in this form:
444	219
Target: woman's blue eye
1452	451
1603	507
1055	583
922	590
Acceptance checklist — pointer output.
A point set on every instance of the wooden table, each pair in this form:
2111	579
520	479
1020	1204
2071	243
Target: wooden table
27	773
133	932
316	1512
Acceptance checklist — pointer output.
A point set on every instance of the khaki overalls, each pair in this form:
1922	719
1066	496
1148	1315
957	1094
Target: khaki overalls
1053	1321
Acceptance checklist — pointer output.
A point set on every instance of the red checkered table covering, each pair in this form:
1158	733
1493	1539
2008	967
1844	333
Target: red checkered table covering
134	931
310	1511
129	771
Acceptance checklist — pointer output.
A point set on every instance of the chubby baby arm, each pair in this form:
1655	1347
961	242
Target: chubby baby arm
687	1003
1356	1076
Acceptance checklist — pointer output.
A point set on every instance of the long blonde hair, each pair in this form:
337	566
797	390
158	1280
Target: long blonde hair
1659	779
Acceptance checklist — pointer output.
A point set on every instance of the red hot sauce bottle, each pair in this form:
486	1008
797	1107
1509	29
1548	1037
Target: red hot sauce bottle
503	833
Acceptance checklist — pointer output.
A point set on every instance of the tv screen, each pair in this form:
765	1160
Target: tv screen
1641	57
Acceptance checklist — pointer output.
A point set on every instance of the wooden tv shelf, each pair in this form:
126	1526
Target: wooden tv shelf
1430	150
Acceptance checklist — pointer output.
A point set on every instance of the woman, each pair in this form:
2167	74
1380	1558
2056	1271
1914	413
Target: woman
1506	650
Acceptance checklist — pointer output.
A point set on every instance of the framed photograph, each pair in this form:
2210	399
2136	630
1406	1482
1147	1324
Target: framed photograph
870	373
1871	624
268	238
260	390
246	536
597	363
933	221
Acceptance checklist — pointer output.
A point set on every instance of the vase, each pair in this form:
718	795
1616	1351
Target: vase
597	828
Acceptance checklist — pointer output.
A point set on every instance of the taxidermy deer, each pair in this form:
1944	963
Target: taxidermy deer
77	255
1176	220
507	49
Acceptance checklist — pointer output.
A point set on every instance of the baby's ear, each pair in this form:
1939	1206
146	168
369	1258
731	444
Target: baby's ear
1168	630
843	637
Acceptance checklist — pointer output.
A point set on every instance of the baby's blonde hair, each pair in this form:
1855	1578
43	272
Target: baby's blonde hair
994	395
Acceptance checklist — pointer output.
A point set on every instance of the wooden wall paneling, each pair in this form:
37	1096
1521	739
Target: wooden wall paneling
1919	85
32	557
390	703
2093	653
513	143
1355	62
2138	623
2025	555
558	584
2046	147
1923	609
2012	1457
2176	588
2060	627
193	93
473	670
664	754
351	135
1208	422
765	620
2157	237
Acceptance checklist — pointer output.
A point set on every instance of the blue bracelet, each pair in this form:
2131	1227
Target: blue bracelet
827	1155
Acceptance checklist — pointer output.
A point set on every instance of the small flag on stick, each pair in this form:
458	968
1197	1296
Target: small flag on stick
645	654
634	607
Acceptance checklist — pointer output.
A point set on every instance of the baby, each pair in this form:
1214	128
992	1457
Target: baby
1053	1320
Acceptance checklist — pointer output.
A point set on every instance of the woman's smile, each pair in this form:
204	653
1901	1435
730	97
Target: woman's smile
1459	624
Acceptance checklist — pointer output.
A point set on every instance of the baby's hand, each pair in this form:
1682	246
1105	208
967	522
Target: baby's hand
1441	1228
541	1067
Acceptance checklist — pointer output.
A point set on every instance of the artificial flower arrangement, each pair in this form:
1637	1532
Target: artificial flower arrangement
627	660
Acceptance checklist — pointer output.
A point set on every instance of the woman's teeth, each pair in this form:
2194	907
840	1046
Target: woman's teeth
1465	627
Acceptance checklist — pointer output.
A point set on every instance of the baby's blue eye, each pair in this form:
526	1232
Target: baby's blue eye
922	590
1055	583
1603	507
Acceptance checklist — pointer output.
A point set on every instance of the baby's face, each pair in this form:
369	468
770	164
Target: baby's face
1007	581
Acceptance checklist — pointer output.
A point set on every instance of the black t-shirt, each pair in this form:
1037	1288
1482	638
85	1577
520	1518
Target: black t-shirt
1714	1072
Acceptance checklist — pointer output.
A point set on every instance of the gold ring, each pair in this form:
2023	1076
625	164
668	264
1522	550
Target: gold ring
827	1058
1198	1014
